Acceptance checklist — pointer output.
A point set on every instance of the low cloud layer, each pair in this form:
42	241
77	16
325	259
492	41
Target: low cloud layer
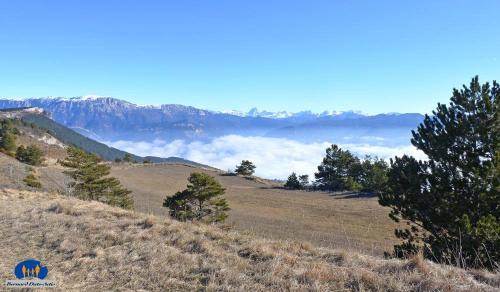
274	157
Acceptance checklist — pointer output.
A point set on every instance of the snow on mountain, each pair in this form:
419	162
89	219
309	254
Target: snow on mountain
113	119
255	113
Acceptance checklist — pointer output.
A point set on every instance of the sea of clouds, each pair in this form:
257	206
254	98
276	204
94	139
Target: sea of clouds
275	158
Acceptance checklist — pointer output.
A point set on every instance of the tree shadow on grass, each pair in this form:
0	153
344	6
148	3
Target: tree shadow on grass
228	174
272	188
354	195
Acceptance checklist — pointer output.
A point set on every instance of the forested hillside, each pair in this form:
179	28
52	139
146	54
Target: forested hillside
70	137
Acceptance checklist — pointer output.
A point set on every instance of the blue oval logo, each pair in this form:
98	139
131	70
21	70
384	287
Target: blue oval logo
31	269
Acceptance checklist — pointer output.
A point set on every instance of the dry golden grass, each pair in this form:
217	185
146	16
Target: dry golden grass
49	173
262	208
12	173
89	246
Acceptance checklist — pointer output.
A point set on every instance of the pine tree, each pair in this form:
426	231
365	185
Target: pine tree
7	136
293	182
374	176
304	181
127	157
92	180
246	168
452	201
339	171
202	200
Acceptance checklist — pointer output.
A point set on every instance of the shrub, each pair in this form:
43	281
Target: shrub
31	181
31	155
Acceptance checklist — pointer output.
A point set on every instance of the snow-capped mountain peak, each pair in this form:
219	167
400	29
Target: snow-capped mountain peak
114	119
256	113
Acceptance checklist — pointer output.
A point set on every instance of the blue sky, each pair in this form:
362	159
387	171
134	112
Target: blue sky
373	56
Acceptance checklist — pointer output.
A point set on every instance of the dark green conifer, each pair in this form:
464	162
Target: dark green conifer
246	168
202	200
92	180
339	170
453	199
293	182
7	136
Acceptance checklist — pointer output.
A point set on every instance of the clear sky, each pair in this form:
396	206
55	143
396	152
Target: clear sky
373	56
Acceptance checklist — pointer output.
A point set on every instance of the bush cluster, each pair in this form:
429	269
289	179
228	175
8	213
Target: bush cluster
31	155
32	181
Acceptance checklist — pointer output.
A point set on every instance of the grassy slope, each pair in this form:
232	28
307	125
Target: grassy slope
50	173
12	173
262	208
91	246
257	207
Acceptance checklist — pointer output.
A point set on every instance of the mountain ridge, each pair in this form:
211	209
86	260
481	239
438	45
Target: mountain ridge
40	119
253	112
109	119
116	119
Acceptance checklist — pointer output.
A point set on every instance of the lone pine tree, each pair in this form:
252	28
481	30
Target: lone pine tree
245	168
293	182
92	180
202	200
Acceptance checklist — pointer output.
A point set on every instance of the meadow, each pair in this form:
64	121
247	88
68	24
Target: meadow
262	207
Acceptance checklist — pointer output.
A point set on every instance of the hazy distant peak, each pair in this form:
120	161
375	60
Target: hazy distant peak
255	112
88	97
111	104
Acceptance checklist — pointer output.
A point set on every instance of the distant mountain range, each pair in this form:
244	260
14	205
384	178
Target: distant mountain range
111	119
40	119
255	113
